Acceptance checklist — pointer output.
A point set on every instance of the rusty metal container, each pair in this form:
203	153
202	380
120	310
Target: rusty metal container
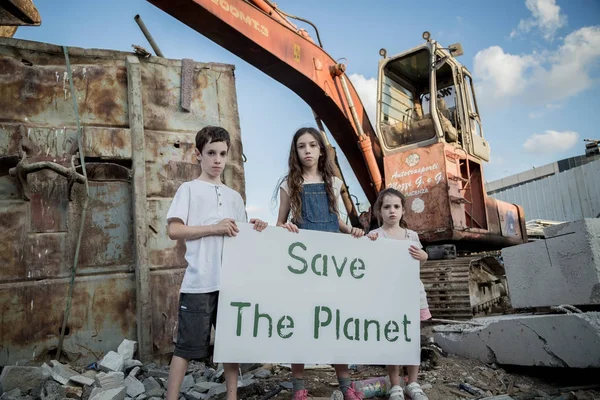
124	235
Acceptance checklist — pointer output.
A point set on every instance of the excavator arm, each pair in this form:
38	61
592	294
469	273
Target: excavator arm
260	34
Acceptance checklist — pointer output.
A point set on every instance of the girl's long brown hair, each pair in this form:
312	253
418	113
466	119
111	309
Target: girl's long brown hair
296	181
379	204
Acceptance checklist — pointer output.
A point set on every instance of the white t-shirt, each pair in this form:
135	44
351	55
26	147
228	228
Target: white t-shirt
413	237
337	189
199	203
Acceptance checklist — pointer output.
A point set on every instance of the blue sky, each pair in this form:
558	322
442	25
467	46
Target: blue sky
535	64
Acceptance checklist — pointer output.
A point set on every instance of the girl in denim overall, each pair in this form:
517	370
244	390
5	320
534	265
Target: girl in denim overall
311	193
389	210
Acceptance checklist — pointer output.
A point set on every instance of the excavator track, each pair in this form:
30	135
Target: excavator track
463	287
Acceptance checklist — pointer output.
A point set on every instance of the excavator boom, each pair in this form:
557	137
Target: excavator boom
263	37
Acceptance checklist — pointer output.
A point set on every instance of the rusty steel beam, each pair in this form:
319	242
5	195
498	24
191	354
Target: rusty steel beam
285	55
19	12
142	267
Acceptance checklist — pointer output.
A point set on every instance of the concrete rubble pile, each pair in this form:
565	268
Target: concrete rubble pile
557	275
442	376
118	376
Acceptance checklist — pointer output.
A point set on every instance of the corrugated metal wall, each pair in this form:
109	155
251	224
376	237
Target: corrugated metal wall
567	196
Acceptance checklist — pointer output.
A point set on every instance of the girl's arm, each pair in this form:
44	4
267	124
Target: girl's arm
345	228
418	254
284	211
178	230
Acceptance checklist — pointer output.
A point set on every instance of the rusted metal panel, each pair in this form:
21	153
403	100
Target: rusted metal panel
39	94
445	199
140	225
170	160
108	231
103	312
52	143
45	255
421	176
40	235
165	304
13	226
49	202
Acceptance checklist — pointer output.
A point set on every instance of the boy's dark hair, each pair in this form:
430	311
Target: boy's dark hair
211	134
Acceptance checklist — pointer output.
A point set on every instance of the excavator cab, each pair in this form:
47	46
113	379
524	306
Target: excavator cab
433	148
429	129
408	116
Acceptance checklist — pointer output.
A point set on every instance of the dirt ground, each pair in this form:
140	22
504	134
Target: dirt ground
441	382
441	374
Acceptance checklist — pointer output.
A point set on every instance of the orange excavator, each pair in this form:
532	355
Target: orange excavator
428	140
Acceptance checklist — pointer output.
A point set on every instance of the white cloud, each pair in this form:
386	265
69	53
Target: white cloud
549	107
540	77
551	142
570	65
545	16
503	73
367	91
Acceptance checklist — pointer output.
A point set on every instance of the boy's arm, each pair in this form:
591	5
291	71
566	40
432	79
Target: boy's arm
242	216
178	230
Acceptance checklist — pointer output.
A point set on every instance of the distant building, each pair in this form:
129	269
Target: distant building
564	190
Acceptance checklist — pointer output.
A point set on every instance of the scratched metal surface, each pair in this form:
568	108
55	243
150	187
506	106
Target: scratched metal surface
39	235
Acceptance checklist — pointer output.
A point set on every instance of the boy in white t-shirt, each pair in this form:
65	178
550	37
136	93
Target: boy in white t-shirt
203	211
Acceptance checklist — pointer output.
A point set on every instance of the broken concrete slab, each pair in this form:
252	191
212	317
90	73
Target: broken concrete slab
187	384
82	380
112	362
157	373
562	269
51	390
204	387
218	392
11	395
130	364
61	373
134	372
134	386
127	349
108	394
552	340
262	373
152	387
110	380
24	378
72	392
193	395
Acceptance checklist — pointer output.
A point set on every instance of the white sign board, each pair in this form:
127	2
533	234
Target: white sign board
316	297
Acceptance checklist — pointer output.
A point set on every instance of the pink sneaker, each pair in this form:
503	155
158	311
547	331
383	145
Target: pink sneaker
352	394
301	395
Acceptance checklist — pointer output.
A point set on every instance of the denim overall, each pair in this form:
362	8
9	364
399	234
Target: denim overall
316	215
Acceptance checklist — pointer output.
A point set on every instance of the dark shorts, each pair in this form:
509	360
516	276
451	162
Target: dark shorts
197	315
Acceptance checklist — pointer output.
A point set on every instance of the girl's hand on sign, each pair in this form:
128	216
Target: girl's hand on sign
357	232
290	226
259	225
417	253
373	235
227	227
